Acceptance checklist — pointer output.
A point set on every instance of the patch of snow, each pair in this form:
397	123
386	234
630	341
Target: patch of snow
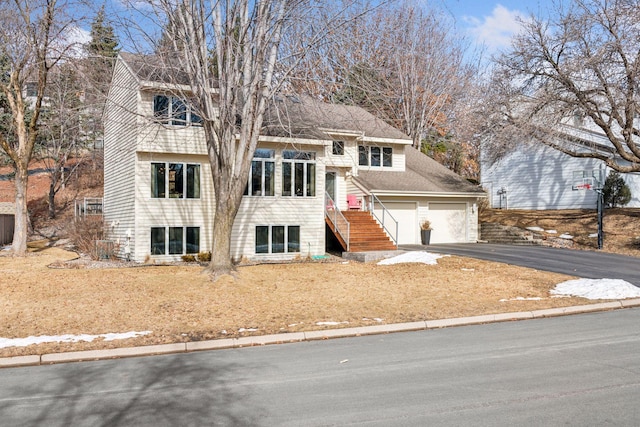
6	248
468	269
23	342
535	229
566	236
552	231
522	299
597	289
247	329
331	323
423	257
593	235
375	319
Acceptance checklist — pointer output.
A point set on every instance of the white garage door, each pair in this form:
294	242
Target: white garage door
405	214
449	222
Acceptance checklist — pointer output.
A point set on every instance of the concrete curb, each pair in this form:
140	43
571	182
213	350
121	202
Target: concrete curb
260	340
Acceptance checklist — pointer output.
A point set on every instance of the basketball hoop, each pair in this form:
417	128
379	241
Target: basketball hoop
585	186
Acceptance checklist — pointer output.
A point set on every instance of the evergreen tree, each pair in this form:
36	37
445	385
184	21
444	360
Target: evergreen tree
103	50
616	191
104	41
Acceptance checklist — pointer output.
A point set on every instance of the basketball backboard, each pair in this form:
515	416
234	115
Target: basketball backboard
588	179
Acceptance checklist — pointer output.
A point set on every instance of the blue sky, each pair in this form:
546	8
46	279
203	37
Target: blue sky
487	22
492	23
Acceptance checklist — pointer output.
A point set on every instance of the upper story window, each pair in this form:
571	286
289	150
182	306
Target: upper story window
338	148
298	173
174	111
175	180
262	174
375	156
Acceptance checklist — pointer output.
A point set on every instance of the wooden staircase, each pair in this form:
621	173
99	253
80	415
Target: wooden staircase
365	233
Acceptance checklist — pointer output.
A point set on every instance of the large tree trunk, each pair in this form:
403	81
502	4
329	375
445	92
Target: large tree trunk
21	230
227	204
221	246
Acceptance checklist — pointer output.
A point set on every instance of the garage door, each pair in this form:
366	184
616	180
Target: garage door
405	214
449	222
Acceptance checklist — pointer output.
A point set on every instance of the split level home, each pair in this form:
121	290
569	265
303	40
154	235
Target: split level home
322	174
532	175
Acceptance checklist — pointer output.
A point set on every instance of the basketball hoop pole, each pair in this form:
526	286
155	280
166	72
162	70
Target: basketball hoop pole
600	215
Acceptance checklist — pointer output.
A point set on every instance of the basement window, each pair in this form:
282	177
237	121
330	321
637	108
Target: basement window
277	239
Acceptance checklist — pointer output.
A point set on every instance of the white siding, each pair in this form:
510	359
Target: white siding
537	177
167	212
306	212
119	157
159	138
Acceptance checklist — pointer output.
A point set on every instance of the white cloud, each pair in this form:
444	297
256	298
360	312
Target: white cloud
73	41
495	31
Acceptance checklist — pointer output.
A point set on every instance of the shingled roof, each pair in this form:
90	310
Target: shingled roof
422	175
305	117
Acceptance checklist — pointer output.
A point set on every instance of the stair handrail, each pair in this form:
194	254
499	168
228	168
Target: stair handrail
385	212
340	223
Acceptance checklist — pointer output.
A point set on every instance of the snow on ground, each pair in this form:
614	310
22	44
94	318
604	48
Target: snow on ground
417	256
23	342
597	289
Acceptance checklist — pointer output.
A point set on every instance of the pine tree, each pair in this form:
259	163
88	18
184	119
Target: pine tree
103	50
616	191
103	42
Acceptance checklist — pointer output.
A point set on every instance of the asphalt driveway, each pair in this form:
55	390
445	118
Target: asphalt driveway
584	264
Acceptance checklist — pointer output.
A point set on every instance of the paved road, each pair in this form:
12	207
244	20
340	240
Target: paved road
574	370
586	264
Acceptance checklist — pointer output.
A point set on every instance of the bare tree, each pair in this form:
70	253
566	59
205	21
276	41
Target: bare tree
31	32
582	62
228	56
406	64
60	129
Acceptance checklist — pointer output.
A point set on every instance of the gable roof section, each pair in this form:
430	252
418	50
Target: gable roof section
305	117
422	175
150	68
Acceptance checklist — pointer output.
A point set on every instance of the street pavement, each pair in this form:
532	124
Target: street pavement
583	264
571	370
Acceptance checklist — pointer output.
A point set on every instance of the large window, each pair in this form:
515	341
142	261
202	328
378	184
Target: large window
262	174
298	173
277	239
168	180
180	240
174	111
375	156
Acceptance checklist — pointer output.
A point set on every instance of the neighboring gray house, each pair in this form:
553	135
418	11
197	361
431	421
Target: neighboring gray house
535	176
312	158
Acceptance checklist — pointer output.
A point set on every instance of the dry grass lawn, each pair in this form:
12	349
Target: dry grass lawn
178	303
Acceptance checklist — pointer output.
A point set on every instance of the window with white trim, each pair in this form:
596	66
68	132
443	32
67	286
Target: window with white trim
175	240
262	174
277	239
375	156
174	111
298	173
175	180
